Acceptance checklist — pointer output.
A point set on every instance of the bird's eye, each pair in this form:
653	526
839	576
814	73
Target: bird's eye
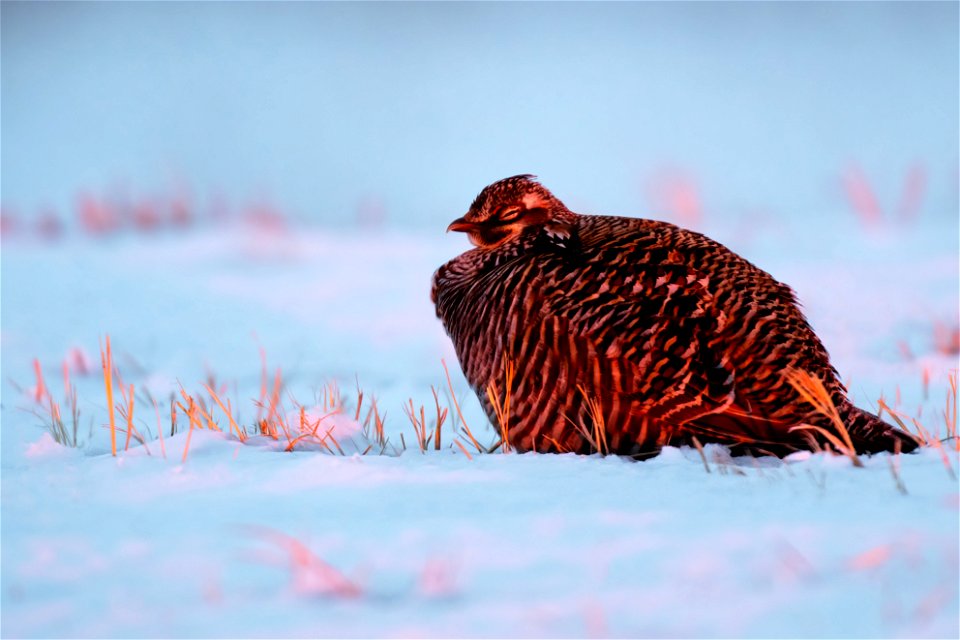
510	214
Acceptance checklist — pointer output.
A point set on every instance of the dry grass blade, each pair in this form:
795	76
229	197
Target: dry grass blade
501	409
456	405
583	431
501	414
53	420
233	423
272	410
186	446
202	408
419	425
66	379
311	574
894	461
463	448
494	446
41	389
129	411
896	416
599	439
107	359
811	389
56	427
191	409
925	437
356	414
329	435
331	396
703	455
378	421
441	416
558	446
836	442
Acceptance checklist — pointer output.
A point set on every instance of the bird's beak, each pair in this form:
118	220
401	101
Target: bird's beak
460	224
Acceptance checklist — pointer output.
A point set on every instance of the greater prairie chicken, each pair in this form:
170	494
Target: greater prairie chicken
624	335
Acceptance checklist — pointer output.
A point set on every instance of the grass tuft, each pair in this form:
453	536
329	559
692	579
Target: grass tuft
241	435
811	389
501	407
419	425
463	423
596	435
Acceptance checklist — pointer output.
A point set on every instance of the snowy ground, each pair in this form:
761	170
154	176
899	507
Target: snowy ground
248	540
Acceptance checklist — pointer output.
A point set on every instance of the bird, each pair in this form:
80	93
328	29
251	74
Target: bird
616	335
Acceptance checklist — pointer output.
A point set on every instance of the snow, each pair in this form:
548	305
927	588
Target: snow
247	539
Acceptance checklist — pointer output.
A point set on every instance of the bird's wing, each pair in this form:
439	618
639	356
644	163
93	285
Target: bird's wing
652	323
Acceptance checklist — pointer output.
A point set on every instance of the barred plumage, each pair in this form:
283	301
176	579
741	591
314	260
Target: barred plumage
669	334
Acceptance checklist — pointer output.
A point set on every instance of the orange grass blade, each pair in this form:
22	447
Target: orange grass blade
275	398
560	448
198	407
453	397
233	423
356	414
418	427
703	454
950	411
583	431
129	417
441	416
378	424
186	446
501	410
107	359
897	416
335	443
811	389
191	415
41	389
833	439
599	423
66	379
463	448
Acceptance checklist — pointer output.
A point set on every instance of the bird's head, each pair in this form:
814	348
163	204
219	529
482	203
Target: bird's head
507	208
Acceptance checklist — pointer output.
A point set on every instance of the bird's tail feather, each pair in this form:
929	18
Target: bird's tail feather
870	434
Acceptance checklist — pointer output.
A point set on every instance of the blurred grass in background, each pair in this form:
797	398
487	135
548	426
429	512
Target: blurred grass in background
396	114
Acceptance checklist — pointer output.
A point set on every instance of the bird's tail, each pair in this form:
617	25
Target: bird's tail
870	434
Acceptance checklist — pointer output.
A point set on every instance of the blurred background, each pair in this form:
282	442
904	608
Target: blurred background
397	114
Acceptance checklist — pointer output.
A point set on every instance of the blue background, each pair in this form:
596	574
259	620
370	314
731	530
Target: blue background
416	106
